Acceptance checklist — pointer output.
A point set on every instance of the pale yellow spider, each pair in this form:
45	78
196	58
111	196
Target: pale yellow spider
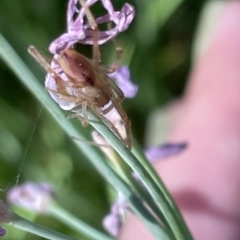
85	84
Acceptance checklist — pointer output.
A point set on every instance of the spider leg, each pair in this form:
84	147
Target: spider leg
95	33
92	143
80	102
39	58
127	122
61	84
116	104
114	86
116	63
84	118
78	99
81	105
108	109
119	98
66	96
109	90
108	85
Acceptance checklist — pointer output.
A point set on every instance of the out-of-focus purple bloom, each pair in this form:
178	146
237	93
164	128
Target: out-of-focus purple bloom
5	213
32	196
123	79
163	151
112	224
154	154
2	232
114	220
80	32
5	216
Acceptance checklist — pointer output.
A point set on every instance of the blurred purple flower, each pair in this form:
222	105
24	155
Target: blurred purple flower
5	216
164	151
2	232
3	211
112	224
123	79
80	32
32	196
114	220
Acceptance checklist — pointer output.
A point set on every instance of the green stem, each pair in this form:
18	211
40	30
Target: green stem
158	196
76	223
31	227
126	173
137	151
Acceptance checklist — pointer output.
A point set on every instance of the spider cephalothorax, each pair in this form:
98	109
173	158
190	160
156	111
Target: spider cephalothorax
86	83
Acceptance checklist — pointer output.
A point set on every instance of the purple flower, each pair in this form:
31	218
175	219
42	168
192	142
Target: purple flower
163	151
123	79
154	154
5	216
80	32
2	232
112	223
114	220
31	196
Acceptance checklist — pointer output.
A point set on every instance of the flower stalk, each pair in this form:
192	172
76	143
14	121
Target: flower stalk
78	225
154	185
31	227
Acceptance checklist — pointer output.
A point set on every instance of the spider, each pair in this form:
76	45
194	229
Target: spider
83	83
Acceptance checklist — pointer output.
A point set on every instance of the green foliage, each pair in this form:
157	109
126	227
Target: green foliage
157	49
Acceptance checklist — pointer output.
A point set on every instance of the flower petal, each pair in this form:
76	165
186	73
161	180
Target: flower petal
126	16
112	224
80	32
122	77
163	151
114	220
65	41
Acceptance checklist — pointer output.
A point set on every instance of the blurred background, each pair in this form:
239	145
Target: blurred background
157	47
